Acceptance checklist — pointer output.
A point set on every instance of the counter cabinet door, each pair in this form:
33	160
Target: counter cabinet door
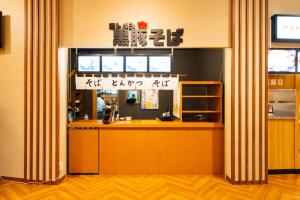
83	154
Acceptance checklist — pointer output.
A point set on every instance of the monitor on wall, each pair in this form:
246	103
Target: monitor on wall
112	63
282	60
88	64
160	64
136	63
285	28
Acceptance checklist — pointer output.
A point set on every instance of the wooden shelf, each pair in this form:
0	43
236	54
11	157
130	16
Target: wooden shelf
201	96
201	111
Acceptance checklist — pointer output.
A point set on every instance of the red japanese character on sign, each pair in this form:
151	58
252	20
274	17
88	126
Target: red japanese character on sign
142	25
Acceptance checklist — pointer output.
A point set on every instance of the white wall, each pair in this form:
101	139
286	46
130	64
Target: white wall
12	90
227	109
85	23
63	82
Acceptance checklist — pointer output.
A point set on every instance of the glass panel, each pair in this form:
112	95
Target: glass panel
136	64
282	60
282	103
112	64
160	64
88	64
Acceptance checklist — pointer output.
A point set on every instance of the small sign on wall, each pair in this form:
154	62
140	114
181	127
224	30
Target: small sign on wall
276	82
150	99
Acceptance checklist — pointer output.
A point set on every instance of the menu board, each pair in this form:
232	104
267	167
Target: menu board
150	99
159	64
88	64
112	64
280	60
288	27
136	63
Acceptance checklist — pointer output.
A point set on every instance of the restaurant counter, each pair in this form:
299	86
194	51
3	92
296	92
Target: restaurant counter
141	147
143	124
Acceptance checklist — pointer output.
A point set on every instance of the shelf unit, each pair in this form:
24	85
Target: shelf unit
201	96
201	101
201	111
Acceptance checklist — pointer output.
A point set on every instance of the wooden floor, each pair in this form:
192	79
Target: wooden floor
153	187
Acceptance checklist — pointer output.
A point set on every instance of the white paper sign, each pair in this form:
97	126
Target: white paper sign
126	83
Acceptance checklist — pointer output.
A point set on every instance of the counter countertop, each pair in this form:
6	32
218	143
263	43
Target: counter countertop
283	118
143	124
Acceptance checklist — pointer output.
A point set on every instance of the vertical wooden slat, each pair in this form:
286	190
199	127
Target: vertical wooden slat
31	92
44	90
37	53
240	90
233	56
57	93
266	85
253	93
50	94
25	86
246	95
260	88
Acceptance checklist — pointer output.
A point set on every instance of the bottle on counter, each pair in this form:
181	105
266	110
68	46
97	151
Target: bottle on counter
85	117
70	116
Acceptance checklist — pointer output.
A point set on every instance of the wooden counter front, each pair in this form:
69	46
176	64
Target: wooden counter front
281	147
144	147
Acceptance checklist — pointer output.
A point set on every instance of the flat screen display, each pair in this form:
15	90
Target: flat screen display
136	64
112	64
160	64
88	64
110	91
288	27
280	60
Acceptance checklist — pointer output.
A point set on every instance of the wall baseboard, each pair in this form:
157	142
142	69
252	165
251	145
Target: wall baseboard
22	180
249	182
7	178
55	182
284	171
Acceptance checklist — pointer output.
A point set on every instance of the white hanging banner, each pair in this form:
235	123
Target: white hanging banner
126	83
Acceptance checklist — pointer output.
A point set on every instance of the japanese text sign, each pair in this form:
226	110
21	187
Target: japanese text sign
128	35
126	83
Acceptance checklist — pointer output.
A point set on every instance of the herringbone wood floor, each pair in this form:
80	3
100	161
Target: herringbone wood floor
153	187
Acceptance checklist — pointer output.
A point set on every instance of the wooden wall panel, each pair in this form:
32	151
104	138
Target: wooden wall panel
41	91
161	151
288	81
248	99
297	124
281	142
83	151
